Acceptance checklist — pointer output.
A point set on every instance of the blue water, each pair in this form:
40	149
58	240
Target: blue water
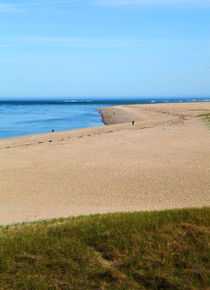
19	117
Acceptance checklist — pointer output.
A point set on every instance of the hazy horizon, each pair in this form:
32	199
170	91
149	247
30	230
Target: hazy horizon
104	98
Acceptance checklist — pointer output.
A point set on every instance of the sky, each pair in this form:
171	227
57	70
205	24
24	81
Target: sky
104	48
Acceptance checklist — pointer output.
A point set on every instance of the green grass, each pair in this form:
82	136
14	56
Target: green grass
142	250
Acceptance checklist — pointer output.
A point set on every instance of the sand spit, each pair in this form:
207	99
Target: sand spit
163	161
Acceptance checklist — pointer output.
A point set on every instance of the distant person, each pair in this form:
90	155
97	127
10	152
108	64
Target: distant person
53	130
133	123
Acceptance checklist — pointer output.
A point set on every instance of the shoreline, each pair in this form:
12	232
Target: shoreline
107	118
162	162
119	124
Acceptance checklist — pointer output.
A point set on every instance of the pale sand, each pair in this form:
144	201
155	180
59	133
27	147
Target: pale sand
162	162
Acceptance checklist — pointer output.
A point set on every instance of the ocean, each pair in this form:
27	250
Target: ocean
19	117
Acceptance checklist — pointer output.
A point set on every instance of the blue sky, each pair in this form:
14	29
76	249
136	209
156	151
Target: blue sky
102	48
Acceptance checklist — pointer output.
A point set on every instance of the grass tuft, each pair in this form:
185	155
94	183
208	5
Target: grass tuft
141	250
206	117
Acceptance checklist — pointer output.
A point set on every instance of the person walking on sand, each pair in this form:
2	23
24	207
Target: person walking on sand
133	123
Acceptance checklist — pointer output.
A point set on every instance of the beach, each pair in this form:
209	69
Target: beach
160	162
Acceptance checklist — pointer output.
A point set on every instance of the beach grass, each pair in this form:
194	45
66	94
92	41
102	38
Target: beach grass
206	117
142	250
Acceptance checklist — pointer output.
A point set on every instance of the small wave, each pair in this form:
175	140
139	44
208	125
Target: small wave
37	121
153	101
78	101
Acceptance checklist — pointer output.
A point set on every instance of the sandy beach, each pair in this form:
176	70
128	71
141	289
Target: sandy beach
161	162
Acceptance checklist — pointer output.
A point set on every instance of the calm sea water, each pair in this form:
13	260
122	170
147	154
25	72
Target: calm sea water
19	117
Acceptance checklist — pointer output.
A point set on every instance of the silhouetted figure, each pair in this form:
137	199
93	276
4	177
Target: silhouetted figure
53	130
133	123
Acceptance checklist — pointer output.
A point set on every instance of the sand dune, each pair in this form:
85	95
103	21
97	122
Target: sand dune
163	161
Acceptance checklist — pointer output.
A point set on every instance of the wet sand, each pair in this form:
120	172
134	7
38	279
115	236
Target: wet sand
161	162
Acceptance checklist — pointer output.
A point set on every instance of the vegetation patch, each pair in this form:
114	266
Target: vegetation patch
141	250
206	117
